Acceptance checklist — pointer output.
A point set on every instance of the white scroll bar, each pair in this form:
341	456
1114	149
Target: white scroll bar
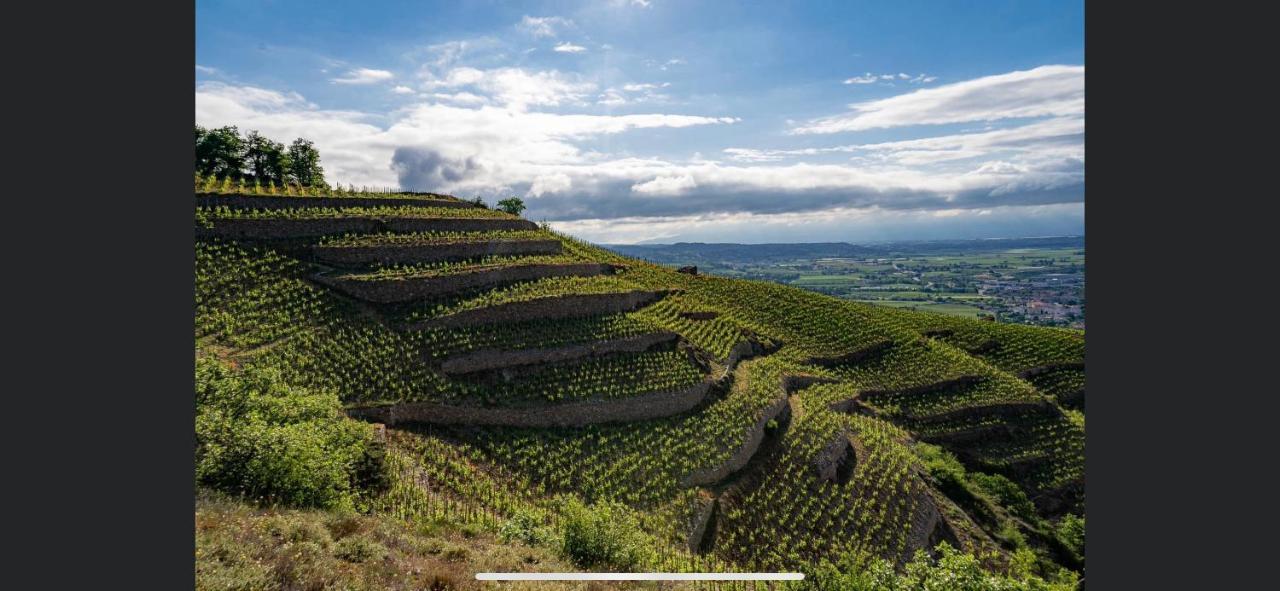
639	576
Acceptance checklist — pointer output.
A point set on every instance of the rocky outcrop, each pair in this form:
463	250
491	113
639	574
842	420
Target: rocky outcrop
245	201
837	460
703	533
928	527
547	308
285	228
407	289
431	253
570	414
490	359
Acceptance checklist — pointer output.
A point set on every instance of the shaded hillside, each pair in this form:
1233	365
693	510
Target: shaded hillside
746	425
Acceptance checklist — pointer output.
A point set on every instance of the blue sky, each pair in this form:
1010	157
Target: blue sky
664	121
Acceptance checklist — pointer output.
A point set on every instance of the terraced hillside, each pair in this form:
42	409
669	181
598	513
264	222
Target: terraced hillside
746	425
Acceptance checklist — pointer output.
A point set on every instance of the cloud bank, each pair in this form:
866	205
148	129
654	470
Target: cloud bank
496	132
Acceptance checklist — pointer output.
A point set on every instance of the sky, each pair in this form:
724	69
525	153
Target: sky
659	121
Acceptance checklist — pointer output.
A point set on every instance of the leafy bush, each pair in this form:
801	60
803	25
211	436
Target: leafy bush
941	464
952	569
604	535
525	527
275	443
1071	531
359	549
513	205
1007	493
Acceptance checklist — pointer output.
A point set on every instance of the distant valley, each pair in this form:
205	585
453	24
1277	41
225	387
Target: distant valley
1025	280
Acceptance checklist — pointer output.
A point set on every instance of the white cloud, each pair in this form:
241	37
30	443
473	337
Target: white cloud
842	224
1060	137
632	93
516	87
544	26
459	98
363	76
550	183
666	185
510	144
1040	92
501	147
868	78
611	98
402	90
644	87
207	70
567	47
343	137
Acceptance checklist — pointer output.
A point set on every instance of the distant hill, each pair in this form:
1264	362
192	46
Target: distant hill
692	253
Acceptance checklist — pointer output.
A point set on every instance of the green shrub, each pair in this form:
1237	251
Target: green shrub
525	527
604	535
952	569
359	549
941	464
259	437
1071	531
1007	493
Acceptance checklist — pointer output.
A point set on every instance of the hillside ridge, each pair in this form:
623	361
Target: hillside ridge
558	367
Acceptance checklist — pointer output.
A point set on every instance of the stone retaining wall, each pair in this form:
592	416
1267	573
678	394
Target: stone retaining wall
571	414
489	359
853	357
985	433
455	224
1073	399
1001	409
549	308
1039	369
923	524
743	454
275	229
432	253
244	201
969	380
398	290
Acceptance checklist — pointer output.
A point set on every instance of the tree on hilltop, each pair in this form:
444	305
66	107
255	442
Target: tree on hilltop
513	205
304	163
223	153
267	159
219	152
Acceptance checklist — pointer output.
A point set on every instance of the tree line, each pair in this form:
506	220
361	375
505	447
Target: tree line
222	152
